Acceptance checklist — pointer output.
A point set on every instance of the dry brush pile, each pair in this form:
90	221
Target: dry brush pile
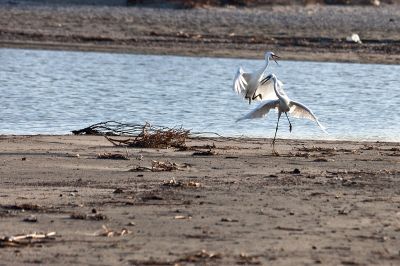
138	136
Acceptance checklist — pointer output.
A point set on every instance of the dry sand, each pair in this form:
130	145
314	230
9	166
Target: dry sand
295	32
319	202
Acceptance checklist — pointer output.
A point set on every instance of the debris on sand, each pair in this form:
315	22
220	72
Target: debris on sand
112	156
83	216
204	153
322	159
353	38
296	171
246	259
229	220
118	191
141	136
174	183
107	232
23	207
299	154
26	240
318	149
182	217
201	256
30	219
160	166
140	169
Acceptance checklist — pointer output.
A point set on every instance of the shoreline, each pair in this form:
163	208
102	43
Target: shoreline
220	137
290	56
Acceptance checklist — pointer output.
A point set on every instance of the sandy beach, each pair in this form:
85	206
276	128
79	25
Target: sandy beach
314	32
228	202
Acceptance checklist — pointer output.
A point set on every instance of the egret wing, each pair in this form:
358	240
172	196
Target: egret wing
299	110
261	110
241	81
265	91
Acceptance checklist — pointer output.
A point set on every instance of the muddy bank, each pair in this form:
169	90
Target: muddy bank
301	33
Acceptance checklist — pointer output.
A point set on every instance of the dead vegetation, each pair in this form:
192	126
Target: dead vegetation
23	207
26	239
107	232
204	153
112	156
140	136
84	216
160	166
173	183
202	256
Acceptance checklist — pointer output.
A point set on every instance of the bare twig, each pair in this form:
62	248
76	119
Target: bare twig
24	240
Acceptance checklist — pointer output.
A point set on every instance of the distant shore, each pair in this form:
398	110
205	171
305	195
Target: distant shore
315	32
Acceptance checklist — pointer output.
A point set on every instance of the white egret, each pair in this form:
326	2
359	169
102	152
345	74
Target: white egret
248	84
284	105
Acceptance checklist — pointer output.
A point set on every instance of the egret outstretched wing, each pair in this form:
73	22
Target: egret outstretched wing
240	81
299	110
261	110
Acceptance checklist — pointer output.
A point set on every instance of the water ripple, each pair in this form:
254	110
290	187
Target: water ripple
55	92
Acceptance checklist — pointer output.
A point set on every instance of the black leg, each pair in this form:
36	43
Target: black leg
290	124
276	130
255	97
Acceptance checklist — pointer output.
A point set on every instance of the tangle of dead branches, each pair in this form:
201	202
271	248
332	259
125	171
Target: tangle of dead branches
148	136
139	136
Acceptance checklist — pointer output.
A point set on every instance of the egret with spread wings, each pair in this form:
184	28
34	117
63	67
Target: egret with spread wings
284	105
248	84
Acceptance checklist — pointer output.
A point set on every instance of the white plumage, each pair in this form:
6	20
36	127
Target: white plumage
283	104
249	85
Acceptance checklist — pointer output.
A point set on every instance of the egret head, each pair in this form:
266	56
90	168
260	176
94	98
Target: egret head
271	55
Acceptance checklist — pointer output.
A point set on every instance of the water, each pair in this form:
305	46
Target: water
53	92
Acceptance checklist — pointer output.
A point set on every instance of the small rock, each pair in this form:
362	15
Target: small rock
118	191
353	38
375	2
30	219
296	171
229	220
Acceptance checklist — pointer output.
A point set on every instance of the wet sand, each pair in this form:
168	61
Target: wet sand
312	32
328	202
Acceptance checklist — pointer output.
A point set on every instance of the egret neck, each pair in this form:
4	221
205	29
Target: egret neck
264	69
283	99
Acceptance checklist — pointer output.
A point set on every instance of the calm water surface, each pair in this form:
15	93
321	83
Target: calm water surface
55	92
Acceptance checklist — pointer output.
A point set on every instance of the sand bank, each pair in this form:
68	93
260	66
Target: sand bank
312	32
319	202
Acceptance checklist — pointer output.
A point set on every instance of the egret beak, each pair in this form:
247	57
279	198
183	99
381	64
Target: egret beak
265	80
275	57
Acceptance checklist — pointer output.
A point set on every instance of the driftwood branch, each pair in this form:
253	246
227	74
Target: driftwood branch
24	240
